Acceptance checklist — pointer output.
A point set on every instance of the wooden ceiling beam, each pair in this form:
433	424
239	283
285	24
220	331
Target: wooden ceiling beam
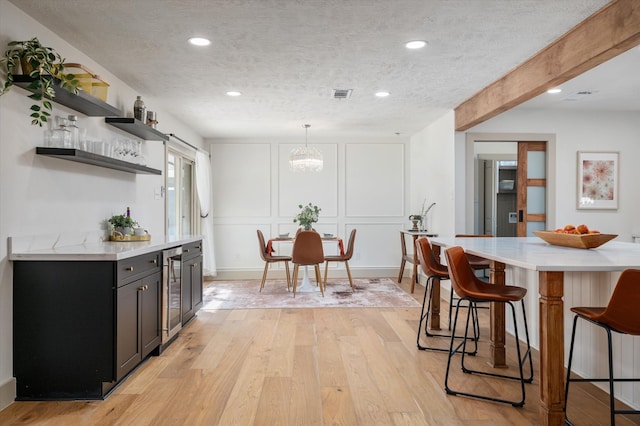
607	33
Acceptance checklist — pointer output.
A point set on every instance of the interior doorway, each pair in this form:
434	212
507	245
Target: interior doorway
510	187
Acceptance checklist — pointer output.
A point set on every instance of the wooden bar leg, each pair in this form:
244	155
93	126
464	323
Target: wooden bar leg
435	305
435	298
497	324
551	288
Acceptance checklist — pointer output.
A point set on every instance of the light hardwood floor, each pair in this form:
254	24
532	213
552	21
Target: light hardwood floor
305	367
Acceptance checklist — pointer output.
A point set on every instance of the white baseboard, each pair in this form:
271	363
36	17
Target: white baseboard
246	274
7	393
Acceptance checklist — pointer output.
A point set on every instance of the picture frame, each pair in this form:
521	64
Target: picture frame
598	180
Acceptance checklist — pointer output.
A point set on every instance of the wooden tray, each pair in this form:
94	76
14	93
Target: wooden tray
585	241
117	236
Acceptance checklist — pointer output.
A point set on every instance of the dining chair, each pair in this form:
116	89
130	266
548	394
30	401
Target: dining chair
307	250
473	290
621	315
434	270
269	259
477	263
342	258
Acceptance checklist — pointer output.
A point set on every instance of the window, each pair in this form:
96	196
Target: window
181	201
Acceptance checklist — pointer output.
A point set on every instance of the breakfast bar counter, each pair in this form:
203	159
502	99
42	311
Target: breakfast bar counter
550	264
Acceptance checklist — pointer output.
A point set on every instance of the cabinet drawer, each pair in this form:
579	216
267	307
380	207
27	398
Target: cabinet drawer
138	266
191	250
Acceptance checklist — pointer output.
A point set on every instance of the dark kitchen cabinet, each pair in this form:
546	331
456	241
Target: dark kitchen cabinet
73	322
138	322
191	280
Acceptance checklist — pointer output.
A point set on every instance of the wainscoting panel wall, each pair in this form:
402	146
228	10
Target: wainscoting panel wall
254	188
374	180
241	180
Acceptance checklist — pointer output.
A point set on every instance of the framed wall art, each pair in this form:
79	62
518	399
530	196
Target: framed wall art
598	180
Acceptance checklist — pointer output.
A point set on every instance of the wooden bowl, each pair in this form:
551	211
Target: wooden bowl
583	241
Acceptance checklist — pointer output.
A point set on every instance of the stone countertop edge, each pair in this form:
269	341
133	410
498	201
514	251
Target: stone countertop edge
98	251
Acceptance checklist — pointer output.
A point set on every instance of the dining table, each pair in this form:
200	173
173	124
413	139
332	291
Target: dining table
551	264
305	285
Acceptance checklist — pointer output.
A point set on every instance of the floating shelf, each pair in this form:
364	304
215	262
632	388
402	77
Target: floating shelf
82	102
136	128
80	156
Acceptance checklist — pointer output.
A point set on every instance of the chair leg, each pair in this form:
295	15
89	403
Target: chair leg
286	267
295	278
521	360
424	317
401	270
346	264
326	272
319	278
264	275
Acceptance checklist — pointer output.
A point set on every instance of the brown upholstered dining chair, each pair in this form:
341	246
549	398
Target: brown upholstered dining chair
470	288
342	258
269	259
434	270
307	251
621	315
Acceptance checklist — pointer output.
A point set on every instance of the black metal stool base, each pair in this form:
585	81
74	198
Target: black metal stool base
461	348
424	317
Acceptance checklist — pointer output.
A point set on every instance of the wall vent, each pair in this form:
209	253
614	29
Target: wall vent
341	93
579	95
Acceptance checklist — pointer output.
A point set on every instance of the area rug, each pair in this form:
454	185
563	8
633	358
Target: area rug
369	293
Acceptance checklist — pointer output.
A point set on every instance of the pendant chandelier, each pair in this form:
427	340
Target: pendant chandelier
305	158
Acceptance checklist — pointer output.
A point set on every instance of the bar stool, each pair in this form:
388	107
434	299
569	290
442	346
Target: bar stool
472	289
621	315
476	262
434	270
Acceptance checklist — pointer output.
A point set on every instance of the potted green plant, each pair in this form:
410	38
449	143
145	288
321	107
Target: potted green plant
122	223
308	216
45	66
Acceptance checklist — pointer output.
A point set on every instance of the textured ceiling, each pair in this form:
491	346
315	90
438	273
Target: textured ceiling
286	56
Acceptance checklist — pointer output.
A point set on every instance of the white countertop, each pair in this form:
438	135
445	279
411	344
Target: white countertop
50	248
533	253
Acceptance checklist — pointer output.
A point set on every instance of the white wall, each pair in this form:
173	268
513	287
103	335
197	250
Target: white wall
362	185
42	195
583	131
433	175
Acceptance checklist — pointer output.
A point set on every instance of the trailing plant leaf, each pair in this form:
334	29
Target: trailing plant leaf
45	66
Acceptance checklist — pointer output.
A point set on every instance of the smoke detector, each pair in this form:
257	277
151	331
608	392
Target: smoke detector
341	93
579	95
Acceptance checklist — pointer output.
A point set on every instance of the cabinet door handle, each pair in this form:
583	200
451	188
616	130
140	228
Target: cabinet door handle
193	265
129	268
141	288
186	250
154	261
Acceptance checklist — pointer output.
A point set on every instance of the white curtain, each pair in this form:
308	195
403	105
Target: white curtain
203	187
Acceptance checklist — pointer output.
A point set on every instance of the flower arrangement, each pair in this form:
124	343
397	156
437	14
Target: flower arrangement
308	216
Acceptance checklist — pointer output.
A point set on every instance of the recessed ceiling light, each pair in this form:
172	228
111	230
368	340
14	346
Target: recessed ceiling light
199	41
554	90
415	44
382	94
232	93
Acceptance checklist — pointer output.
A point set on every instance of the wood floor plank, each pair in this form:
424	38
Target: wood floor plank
337	406
289	366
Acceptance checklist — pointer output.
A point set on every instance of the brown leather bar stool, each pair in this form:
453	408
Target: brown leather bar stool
621	315
472	289
477	263
434	270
